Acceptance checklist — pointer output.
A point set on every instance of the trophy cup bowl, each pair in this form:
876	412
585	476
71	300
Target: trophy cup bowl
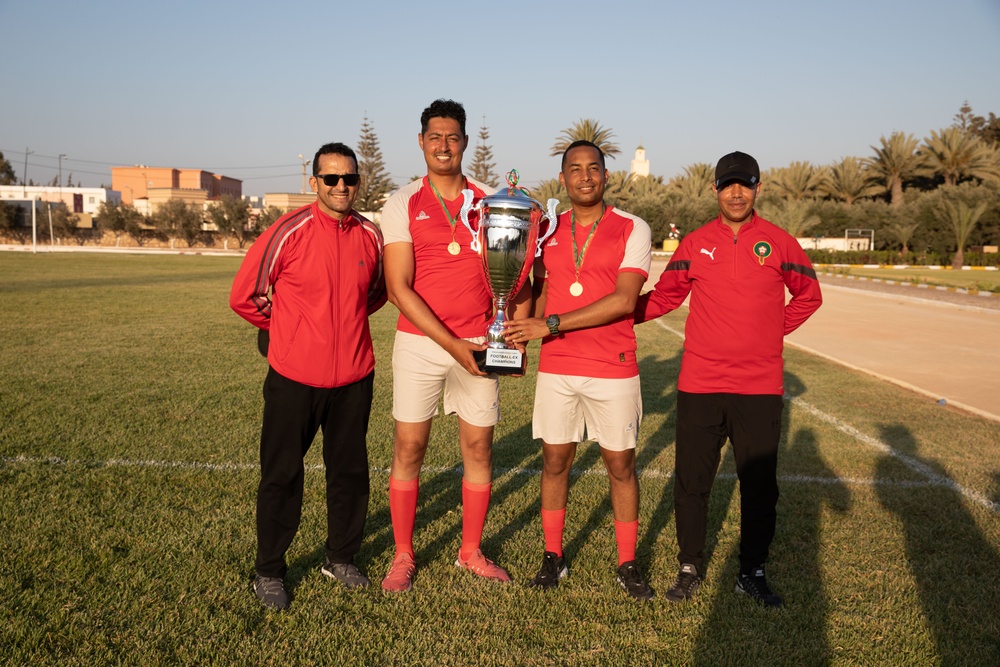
507	239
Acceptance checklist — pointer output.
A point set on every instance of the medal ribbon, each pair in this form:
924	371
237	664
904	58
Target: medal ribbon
451	219
578	256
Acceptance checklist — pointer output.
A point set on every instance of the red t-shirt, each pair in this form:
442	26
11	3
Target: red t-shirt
620	243
453	286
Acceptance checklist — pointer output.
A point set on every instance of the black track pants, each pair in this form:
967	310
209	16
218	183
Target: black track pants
752	423
293	413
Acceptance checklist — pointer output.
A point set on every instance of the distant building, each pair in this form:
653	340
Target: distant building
288	201
640	165
85	202
137	182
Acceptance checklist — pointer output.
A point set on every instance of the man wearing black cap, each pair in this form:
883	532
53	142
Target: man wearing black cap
736	269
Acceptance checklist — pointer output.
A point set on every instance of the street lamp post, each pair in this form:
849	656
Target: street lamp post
305	163
24	180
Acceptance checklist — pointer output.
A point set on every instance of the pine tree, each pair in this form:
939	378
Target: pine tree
482	165
375	181
7	175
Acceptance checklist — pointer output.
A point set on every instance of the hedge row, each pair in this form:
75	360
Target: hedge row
894	257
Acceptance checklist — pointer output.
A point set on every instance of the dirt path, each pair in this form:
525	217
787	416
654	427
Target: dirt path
945	345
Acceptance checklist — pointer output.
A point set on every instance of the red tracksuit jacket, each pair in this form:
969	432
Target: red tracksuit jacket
735	330
312	281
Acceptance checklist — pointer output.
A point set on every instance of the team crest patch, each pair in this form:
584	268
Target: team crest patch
763	250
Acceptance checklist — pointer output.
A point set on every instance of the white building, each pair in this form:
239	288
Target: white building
77	200
640	165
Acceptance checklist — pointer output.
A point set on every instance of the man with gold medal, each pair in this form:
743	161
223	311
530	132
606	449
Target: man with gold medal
585	286
437	282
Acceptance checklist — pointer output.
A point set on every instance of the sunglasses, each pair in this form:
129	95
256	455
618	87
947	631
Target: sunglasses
350	180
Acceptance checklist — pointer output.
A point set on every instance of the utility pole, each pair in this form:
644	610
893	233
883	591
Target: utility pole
24	180
305	164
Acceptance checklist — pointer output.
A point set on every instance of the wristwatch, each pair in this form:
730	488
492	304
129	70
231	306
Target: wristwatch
552	322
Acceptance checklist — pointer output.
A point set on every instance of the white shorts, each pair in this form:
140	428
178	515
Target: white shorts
609	408
421	369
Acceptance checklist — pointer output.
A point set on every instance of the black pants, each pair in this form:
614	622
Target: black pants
752	423
293	413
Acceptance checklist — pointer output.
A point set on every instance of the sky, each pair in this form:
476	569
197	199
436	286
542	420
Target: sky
243	88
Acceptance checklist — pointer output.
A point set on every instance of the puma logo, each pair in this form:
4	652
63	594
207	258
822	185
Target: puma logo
710	253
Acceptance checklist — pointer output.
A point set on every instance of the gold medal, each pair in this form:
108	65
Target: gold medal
576	289
453	248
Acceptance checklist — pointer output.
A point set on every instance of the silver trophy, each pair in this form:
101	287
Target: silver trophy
507	239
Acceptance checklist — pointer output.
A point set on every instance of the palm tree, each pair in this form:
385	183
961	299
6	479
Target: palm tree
586	129
955	154
799	180
963	218
793	215
696	181
550	189
849	180
647	186
895	162
903	232
620	187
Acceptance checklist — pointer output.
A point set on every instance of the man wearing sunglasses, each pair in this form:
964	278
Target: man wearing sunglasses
311	280
437	282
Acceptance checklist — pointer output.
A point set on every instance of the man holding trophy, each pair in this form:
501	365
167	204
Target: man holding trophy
436	280
586	286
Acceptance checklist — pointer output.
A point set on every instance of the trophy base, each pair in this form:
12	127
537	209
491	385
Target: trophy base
502	361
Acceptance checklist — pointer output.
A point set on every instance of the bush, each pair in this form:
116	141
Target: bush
893	257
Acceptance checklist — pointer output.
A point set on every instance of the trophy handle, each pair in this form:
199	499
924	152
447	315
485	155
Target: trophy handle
464	215
550	230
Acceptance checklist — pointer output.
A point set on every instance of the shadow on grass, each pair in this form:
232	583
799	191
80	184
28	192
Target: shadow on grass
657	377
659	396
795	634
440	495
956	569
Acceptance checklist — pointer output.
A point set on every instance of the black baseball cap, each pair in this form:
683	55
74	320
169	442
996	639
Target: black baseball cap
737	167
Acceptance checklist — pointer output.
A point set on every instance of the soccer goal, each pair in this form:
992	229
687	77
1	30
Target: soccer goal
859	239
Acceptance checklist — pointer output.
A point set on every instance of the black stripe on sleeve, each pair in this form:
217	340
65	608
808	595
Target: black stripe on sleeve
807	271
679	265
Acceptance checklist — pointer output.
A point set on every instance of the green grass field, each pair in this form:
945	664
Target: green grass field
129	413
973	280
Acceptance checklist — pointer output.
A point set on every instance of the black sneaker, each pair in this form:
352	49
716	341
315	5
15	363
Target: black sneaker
553	569
270	591
346	573
755	585
630	578
686	585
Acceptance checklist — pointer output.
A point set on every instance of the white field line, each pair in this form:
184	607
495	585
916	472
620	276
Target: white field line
457	471
933	478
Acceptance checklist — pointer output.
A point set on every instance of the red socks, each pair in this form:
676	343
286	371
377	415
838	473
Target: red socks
475	503
626	535
403	510
553	524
